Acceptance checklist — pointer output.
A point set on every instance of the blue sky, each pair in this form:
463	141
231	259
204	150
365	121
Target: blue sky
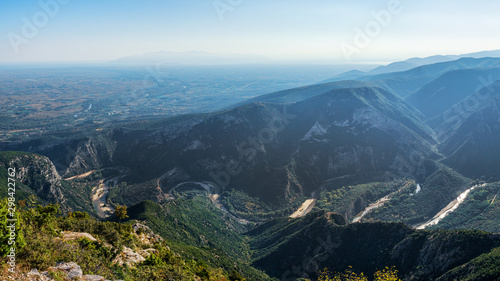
303	30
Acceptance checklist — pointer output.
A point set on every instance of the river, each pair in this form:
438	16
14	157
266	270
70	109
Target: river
372	206
99	196
451	207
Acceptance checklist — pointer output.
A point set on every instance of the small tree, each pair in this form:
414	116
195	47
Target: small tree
236	276
386	274
347	275
121	212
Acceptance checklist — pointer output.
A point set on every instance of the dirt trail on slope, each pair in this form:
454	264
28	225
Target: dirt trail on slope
80	176
306	207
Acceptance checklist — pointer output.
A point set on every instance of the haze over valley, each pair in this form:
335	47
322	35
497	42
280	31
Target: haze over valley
231	141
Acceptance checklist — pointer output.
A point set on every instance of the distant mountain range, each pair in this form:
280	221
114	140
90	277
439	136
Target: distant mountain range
413	63
190	58
404	83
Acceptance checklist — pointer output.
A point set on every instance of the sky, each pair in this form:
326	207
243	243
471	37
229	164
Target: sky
317	31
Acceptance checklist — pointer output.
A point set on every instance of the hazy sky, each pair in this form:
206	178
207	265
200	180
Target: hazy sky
316	30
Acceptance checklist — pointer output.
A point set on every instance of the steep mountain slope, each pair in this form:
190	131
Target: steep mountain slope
37	176
450	88
446	123
319	240
72	151
484	267
277	153
349	75
269	153
394	67
480	210
353	138
195	228
303	93
473	148
415	205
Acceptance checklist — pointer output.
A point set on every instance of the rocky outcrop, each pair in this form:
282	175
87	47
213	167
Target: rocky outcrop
69	236
40	174
145	234
91	154
66	270
72	271
129	257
